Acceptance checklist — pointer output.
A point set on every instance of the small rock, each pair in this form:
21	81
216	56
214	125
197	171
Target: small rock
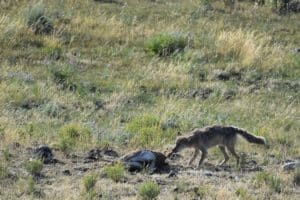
227	75
67	172
99	104
97	154
297	50
223	76
208	173
94	154
202	93
291	166
110	152
81	169
229	94
176	189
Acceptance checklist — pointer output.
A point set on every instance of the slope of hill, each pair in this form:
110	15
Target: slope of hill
78	75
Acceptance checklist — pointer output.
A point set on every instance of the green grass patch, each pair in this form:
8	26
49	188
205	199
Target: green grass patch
37	20
34	167
116	172
89	182
201	192
149	190
274	182
166	44
72	136
148	131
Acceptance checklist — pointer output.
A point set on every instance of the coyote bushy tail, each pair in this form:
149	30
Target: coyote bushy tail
249	137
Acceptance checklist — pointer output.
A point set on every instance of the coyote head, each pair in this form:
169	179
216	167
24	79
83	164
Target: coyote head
181	143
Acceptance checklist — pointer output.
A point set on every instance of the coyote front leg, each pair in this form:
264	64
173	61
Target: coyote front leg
203	156
196	152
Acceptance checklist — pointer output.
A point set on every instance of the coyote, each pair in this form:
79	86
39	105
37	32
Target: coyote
223	136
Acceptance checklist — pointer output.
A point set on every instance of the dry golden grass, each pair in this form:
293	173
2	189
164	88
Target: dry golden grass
103	47
245	45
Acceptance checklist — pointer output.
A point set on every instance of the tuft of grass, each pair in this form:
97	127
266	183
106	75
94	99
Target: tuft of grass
89	183
34	167
241	45
31	185
201	191
296	177
71	135
62	76
166	44
241	192
274	182
37	20
32	188
23	96
149	190
148	131
116	172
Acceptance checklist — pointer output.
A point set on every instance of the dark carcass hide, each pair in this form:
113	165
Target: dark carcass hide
146	159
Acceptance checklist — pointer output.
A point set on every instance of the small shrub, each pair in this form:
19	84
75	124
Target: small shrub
166	44
34	167
241	192
89	182
149	190
144	121
148	131
54	109
240	45
273	182
171	123
31	188
181	186
62	75
201	191
37	20
24	96
71	135
115	172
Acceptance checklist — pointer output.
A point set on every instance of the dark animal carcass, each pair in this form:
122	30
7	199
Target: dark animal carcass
146	159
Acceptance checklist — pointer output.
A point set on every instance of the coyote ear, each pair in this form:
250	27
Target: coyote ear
178	133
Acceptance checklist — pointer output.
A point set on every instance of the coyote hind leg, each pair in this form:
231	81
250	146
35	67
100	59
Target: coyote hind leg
226	157
232	151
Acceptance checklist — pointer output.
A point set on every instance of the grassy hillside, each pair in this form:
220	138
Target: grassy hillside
131	75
